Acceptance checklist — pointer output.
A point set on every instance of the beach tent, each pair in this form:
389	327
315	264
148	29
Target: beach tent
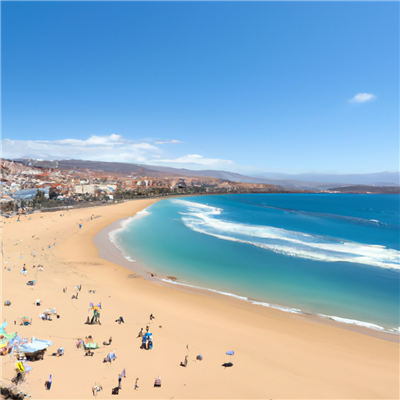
5	338
2	328
91	345
35	345
4	344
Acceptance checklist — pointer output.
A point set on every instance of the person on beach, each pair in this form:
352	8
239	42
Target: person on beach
157	382
96	388
140	334
147	326
96	317
136	384
119	320
184	364
111	357
109	342
152	317
60	352
49	382
123	373
119	381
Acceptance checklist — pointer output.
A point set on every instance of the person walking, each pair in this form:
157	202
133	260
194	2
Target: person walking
140	334
136	384
49	382
147	326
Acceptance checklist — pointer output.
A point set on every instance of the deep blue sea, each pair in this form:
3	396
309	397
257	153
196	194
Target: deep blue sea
335	255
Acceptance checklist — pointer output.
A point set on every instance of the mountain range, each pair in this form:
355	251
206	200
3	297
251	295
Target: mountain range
298	181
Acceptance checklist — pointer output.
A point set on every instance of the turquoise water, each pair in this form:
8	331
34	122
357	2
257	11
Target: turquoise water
335	255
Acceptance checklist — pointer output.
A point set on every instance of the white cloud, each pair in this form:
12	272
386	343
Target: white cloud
167	141
197	159
99	148
362	98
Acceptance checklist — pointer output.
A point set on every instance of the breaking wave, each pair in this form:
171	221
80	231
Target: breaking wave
202	218
113	235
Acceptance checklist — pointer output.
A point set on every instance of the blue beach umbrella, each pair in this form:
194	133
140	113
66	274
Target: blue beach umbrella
230	354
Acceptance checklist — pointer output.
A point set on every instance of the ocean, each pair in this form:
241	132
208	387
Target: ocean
334	255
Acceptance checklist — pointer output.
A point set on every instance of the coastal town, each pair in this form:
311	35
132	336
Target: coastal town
24	186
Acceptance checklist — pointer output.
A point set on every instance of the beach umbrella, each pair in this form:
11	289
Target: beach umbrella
230	354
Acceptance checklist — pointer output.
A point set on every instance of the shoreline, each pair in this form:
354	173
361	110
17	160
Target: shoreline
107	250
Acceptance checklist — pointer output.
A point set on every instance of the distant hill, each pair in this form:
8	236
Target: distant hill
367	189
388	178
160	172
114	167
297	182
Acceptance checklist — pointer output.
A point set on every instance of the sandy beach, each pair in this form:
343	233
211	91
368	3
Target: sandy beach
277	355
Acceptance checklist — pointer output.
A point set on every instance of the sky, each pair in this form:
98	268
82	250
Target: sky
247	87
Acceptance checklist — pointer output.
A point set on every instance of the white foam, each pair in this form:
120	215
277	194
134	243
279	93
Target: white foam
291	310
353	322
275	306
113	235
201	218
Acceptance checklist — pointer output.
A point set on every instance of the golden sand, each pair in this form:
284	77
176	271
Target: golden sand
277	355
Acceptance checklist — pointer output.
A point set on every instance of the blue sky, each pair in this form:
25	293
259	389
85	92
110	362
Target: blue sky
245	87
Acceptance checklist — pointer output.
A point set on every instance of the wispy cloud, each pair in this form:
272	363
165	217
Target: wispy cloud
362	98
101	148
197	159
167	141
